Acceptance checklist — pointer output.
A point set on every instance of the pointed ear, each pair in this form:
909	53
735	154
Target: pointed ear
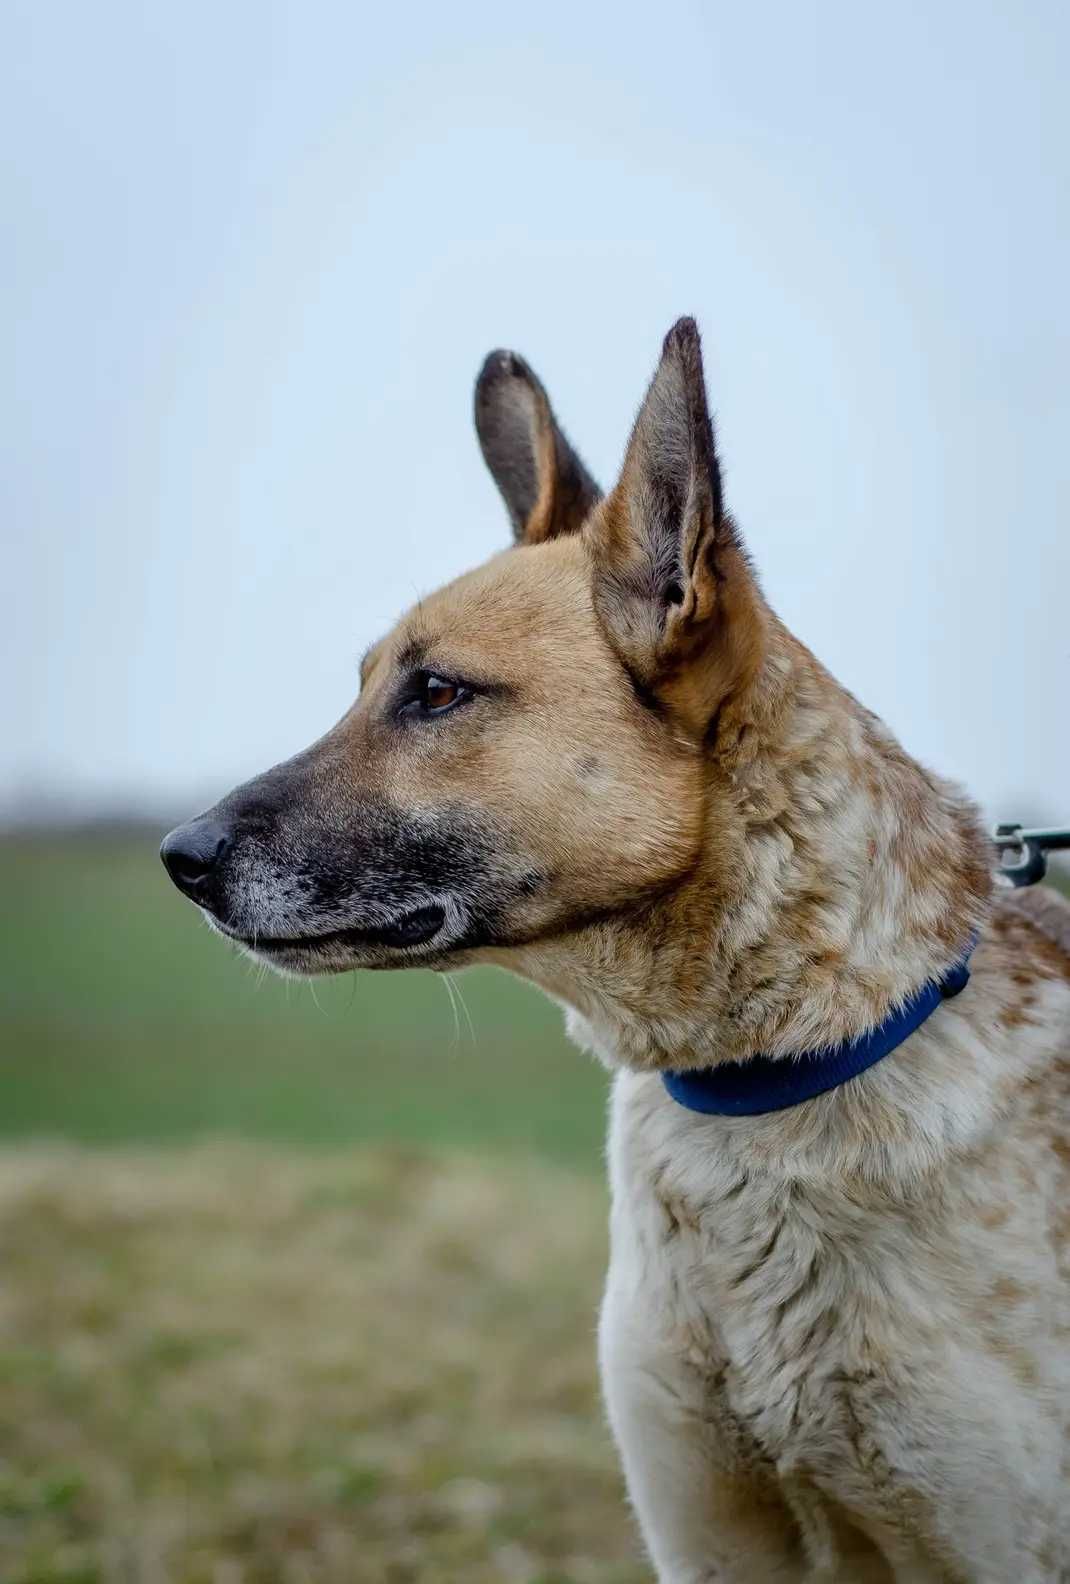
672	584
545	486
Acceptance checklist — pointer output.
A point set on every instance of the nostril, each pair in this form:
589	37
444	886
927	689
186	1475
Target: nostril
191	853
190	866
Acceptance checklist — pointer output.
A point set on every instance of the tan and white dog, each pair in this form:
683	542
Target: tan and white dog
834	1339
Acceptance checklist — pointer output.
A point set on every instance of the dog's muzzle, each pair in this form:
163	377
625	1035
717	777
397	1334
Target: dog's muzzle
194	855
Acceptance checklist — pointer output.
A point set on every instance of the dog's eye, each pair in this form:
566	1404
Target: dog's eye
439	695
434	695
427	694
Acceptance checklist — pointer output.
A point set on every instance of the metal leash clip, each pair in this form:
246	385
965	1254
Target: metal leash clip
1023	854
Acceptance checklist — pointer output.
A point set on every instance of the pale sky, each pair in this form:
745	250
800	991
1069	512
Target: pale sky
255	254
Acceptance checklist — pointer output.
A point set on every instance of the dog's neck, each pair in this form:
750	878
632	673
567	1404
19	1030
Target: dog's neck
836	877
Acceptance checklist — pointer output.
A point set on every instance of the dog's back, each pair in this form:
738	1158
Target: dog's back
1046	909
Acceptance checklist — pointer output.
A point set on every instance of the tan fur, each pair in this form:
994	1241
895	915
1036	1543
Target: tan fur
525	621
834	1341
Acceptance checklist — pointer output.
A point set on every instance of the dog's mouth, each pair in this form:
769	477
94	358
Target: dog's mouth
418	927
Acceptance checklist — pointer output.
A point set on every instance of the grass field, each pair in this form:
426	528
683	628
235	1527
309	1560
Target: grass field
242	1365
124	1018
294	1289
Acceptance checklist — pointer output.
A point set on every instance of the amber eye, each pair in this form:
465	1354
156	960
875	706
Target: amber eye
429	694
439	694
434	695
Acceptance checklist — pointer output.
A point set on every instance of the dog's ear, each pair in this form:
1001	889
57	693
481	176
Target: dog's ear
672	584
545	486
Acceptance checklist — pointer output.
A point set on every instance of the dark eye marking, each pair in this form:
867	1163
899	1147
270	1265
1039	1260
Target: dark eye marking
430	695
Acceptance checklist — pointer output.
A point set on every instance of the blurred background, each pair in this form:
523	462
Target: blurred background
300	1282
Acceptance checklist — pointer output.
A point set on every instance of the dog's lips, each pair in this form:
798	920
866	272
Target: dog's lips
417	927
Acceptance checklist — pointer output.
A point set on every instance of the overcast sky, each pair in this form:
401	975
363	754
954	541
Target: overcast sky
255	254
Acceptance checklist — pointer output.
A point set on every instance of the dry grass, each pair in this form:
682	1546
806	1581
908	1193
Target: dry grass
227	1365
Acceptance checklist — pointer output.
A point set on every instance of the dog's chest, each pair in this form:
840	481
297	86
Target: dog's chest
759	1289
811	1313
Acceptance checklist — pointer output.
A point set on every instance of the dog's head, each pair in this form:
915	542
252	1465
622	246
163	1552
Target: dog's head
528	751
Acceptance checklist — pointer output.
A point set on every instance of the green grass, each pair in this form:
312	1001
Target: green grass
123	1019
238	1364
249	1361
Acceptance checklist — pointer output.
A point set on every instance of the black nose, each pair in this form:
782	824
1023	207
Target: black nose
191	853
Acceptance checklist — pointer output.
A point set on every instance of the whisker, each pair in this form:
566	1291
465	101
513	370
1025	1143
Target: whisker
464	1009
445	978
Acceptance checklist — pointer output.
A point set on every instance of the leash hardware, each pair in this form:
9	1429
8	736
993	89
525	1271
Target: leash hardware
1023	854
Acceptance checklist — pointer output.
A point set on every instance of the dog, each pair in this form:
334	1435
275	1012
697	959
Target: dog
834	1337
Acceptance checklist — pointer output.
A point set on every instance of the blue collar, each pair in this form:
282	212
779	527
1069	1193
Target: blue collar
764	1083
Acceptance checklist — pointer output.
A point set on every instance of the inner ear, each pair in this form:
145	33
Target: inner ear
546	488
671	582
671	475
